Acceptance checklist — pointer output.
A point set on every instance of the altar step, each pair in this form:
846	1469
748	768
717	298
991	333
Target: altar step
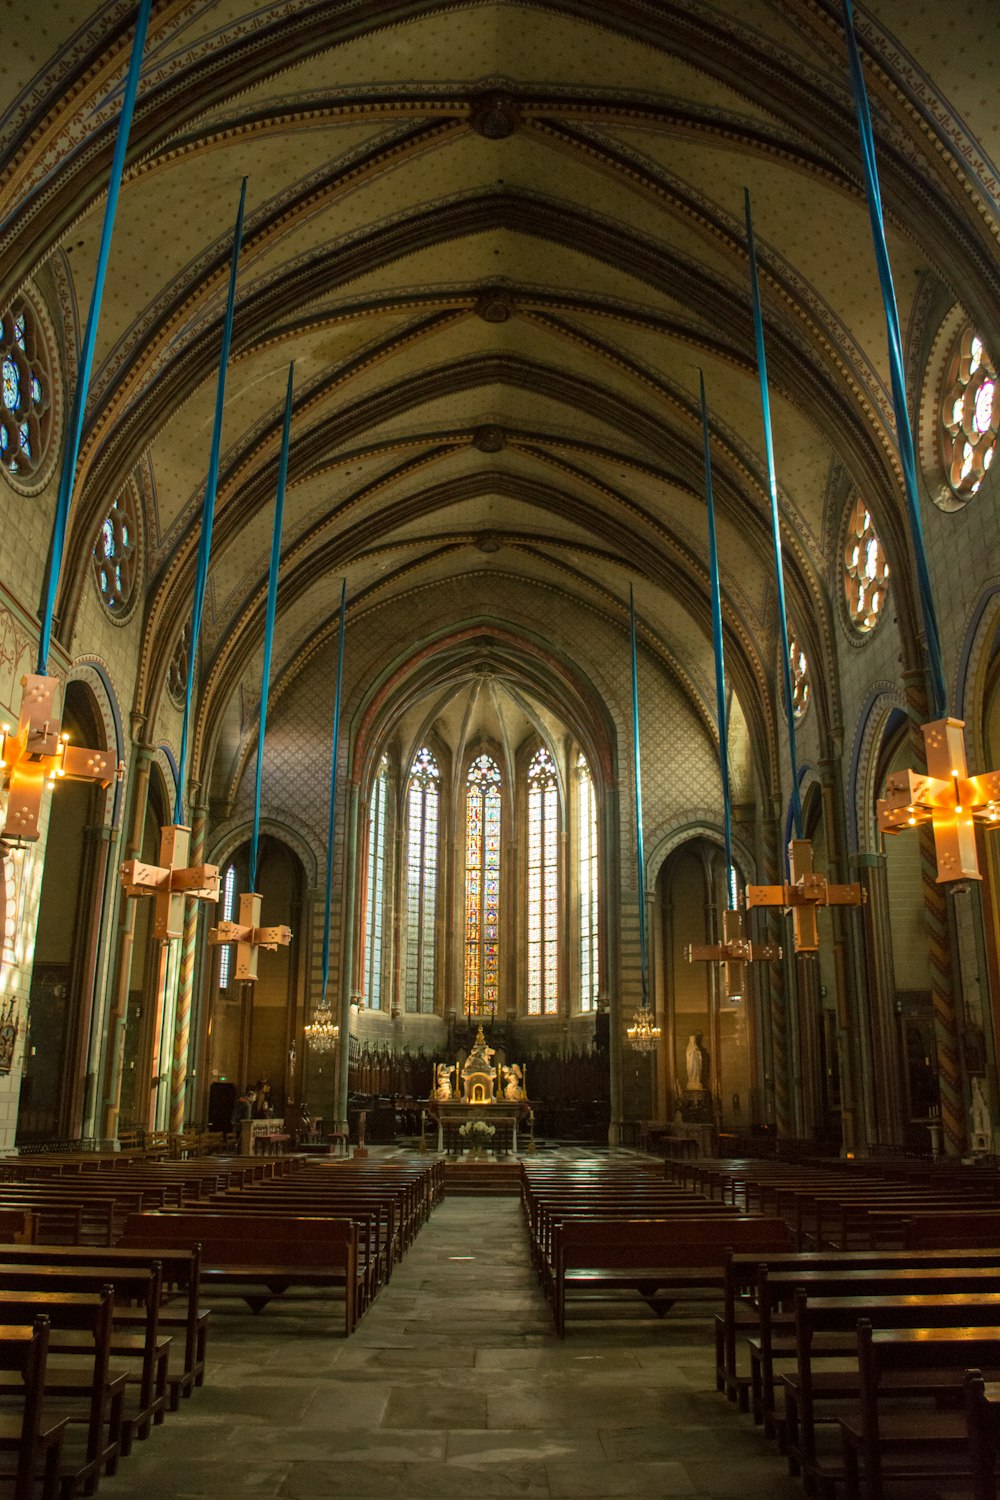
472	1179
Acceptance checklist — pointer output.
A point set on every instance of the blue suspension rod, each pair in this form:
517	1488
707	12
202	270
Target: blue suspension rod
640	858
269	619
208	508
779	572
720	662
333	788
60	521
904	432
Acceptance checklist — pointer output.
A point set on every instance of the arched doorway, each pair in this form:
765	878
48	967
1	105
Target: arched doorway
254	1029
67	937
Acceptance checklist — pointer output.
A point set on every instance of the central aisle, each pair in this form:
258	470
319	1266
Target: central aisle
454	1385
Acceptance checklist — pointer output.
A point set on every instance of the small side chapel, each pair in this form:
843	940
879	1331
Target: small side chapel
497	245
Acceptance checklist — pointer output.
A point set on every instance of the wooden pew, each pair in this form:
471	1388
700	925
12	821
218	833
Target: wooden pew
147	1351
741	1314
775	1287
272	1252
180	1273
675	1254
90	1393
982	1417
826	1327
30	1439
928	1444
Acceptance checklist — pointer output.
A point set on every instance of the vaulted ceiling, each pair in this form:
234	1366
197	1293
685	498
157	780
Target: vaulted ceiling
499	241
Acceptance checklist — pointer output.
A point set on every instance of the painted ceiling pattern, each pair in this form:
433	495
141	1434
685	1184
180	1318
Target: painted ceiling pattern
499	240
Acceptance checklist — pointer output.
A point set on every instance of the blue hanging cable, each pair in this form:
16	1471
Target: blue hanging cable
904	432
765	401
640	859
720	662
208	508
60	520
333	788
269	618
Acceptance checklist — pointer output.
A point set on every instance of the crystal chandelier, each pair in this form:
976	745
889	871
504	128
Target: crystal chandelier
322	1033
643	1035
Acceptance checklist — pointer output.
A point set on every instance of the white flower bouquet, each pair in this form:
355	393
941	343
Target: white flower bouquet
477	1131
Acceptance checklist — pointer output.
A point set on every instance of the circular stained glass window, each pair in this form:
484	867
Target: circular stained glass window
801	688
866	572
25	392
970	414
115	555
177	672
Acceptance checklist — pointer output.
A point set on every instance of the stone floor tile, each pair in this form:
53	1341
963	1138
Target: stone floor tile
654	1479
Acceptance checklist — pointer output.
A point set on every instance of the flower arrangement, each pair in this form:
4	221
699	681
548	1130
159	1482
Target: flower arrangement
477	1131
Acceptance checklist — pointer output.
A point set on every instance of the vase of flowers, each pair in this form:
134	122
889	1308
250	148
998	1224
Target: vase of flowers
477	1134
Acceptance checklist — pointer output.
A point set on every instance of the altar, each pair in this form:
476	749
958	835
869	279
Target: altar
493	1097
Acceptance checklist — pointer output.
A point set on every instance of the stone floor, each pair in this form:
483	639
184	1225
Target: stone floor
454	1385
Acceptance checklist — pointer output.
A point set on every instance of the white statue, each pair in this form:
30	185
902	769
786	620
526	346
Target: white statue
513	1081
695	1059
442	1081
982	1125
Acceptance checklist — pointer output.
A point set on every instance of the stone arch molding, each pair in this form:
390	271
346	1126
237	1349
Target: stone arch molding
703	825
883	699
228	837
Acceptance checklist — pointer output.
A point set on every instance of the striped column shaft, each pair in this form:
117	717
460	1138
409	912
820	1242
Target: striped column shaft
185	984
946	1028
777	998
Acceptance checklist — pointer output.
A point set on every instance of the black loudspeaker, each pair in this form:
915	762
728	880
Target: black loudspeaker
221	1101
602	1030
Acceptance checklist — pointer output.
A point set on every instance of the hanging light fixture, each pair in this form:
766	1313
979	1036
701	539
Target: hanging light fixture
643	1035
322	1033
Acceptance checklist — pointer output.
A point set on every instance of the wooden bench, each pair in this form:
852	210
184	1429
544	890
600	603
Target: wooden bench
270	1251
921	1445
741	1311
777	1336
148	1351
982	1416
649	1256
90	1392
30	1439
825	1329
179	1274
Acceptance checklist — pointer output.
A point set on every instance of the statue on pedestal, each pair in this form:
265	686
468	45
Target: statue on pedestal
513	1081
478	1076
696	1059
442	1081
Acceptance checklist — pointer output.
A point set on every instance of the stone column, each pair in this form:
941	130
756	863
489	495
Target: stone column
349	918
138	793
185	985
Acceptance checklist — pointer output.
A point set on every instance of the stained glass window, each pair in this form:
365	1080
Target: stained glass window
25	389
115	554
177	671
422	810
375	905
586	804
970	414
543	885
801	688
482	888
228	905
866	572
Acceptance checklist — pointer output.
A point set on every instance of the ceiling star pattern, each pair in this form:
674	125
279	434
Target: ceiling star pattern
499	240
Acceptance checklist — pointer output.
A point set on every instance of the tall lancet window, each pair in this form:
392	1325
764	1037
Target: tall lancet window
543	885
376	890
227	913
482	887
422	804
586	814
